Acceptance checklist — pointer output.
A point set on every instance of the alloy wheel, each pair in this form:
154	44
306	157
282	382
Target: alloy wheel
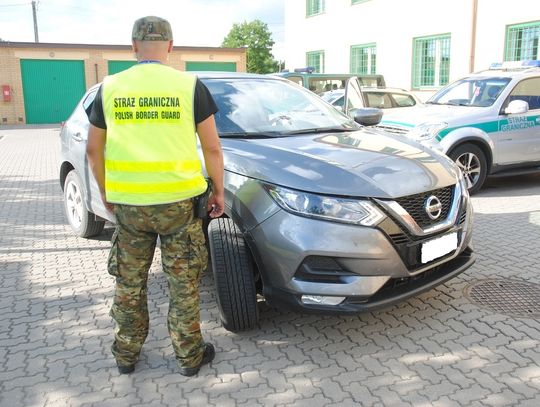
74	204
470	165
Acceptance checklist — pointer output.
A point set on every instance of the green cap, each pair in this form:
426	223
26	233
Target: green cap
152	28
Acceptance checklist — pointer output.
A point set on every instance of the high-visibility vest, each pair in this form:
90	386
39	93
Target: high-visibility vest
151	148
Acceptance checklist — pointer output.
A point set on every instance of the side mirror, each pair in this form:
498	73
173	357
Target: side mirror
517	107
368	116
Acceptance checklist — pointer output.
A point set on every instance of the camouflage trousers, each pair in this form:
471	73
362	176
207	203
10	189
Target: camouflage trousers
183	257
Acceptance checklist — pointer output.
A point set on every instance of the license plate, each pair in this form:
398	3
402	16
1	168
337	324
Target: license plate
436	248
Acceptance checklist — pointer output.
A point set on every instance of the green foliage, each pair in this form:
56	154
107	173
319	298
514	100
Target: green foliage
256	37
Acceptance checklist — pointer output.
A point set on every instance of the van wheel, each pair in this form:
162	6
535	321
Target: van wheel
233	275
82	222
472	162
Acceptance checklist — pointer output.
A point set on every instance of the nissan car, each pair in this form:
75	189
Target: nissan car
323	213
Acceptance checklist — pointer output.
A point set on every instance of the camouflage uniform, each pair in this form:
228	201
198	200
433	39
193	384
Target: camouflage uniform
183	255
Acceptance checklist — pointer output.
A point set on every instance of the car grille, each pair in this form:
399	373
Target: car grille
393	130
414	205
407	244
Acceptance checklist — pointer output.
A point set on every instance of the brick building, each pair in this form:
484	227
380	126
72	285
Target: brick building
42	82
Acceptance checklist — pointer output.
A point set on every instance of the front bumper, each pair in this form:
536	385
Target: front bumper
368	268
395	290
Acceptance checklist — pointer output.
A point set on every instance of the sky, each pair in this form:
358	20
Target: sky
194	22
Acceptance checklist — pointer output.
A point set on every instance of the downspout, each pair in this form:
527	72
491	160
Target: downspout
473	35
96	72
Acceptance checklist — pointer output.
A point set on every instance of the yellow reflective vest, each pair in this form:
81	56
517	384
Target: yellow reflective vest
151	149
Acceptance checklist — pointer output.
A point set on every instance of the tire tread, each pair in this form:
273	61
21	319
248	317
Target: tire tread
233	275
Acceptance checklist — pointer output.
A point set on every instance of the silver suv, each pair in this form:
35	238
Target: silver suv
321	216
487	122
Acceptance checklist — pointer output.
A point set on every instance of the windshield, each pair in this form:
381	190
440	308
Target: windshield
251	106
471	92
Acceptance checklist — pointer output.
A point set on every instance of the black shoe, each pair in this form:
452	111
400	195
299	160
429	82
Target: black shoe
126	369
208	356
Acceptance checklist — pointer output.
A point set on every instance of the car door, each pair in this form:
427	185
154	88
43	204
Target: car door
518	138
78	132
77	129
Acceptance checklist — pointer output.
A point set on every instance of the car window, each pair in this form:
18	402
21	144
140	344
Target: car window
379	100
353	96
403	100
471	92
339	101
320	85
529	91
334	97
88	101
296	79
83	109
265	105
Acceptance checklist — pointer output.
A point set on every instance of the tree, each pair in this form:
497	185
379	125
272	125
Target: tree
256	37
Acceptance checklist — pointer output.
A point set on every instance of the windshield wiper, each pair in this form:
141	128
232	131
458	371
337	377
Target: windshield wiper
319	130
251	134
458	103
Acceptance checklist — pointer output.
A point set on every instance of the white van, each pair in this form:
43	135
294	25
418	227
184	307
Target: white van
487	122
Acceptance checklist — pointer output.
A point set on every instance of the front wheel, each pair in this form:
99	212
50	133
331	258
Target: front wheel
472	162
83	222
234	277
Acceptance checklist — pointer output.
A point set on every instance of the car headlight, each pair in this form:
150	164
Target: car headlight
359	212
426	131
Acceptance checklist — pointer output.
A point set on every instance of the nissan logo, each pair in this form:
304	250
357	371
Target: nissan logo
433	207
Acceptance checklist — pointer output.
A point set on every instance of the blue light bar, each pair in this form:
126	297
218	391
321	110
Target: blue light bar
307	69
530	63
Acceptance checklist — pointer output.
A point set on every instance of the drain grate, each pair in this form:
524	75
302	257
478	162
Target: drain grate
510	297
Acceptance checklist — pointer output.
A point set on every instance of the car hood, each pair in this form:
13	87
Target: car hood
364	163
413	116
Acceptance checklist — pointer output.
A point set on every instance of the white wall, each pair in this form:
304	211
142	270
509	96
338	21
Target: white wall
392	25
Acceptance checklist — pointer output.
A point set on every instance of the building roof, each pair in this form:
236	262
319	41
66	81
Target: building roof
38	45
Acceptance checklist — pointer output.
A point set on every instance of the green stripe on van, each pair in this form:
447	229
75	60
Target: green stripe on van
384	122
497	125
487	127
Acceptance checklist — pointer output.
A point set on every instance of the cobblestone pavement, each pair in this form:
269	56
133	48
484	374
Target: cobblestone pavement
437	349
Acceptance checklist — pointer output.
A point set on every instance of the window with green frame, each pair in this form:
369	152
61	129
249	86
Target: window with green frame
315	59
431	61
522	42
364	59
314	7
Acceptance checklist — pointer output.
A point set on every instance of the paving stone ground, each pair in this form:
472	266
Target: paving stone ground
438	349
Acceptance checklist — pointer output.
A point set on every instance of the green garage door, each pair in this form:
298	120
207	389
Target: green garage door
211	66
119	66
51	89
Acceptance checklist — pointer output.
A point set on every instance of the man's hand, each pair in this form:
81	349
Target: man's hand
213	159
216	205
108	206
